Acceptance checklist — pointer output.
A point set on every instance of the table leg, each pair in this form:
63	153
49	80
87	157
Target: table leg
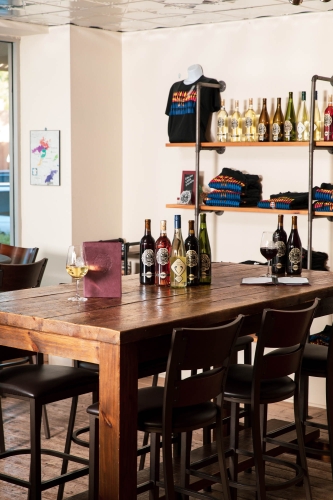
118	421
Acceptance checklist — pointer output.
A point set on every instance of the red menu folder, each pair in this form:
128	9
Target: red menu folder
104	262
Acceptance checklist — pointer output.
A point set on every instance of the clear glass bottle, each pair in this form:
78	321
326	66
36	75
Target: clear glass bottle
278	123
147	256
222	123
162	257
290	121
178	275
192	256
303	122
205	253
250	123
236	124
317	120
263	124
294	250
328	120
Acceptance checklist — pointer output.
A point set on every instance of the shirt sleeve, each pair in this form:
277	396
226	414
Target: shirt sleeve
167	111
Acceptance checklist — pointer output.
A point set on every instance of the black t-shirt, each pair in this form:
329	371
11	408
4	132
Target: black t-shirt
181	109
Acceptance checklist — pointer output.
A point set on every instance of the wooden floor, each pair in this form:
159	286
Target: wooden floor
17	434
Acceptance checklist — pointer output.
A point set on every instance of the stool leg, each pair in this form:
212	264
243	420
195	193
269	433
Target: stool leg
35	466
247	361
300	440
2	436
39	360
68	443
146	434
329	405
257	450
93	458
154	465
186	441
221	455
234	434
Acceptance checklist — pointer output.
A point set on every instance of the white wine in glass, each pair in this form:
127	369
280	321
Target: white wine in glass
76	267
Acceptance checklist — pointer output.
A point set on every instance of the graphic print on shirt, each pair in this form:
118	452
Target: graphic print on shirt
183	102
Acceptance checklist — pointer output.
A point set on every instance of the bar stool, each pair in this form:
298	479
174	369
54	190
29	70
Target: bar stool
268	381
180	407
43	384
318	362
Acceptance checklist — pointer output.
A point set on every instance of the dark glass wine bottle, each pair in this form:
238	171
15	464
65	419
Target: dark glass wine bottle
280	239
278	123
178	275
328	120
205	253
147	257
192	256
263	124
290	121
162	255
294	251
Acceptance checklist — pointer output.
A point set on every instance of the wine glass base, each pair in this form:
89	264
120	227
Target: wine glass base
78	299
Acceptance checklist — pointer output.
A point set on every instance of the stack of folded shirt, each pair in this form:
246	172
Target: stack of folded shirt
286	201
318	260
322	338
232	188
324	197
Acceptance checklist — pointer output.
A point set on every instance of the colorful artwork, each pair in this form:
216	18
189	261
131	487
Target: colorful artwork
44	157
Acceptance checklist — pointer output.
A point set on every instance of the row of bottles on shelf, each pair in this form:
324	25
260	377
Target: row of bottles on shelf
288	259
178	264
284	128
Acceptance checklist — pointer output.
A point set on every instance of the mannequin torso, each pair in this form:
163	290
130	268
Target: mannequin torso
194	72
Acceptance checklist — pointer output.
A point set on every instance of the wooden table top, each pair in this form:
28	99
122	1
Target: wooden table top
148	311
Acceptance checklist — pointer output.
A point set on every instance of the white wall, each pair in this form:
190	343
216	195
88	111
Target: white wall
257	58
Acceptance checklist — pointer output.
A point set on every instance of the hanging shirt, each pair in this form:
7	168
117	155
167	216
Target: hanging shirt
181	109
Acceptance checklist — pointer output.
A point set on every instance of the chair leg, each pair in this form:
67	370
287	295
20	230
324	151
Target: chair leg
234	434
186	441
263	431
39	360
93	458
301	446
146	434
2	435
257	449
329	406
154	465
167	465
67	449
35	492
221	456
247	361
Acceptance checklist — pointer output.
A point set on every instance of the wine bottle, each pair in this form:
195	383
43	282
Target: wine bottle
278	123
250	123
303	123
222	123
205	253
290	121
147	256
178	275
280	239
236	124
328	120
263	124
317	120
162	254
294	251
192	256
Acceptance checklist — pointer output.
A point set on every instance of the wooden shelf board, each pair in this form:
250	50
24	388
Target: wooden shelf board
240	144
324	143
205	208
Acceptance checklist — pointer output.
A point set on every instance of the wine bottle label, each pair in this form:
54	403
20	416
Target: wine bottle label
205	263
278	265
295	256
276	129
314	127
149	274
248	122
327	120
234	123
220	122
288	126
191	258
300	129
262	128
162	275
179	268
148	258
295	267
281	248
162	256
191	277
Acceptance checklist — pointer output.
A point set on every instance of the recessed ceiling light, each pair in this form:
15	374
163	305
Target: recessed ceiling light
295	2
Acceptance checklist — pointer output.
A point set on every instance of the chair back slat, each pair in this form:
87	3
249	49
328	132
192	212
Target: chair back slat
20	276
193	349
19	255
275	366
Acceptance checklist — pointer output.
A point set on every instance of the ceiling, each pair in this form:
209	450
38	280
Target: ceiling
137	15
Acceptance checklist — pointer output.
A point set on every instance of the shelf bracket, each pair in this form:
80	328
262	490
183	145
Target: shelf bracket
223	85
330	151
330	219
220	212
219	150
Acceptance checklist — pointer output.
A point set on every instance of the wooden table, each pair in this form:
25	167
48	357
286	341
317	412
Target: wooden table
120	333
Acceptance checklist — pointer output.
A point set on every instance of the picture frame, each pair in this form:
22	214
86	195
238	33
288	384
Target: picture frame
188	184
45	157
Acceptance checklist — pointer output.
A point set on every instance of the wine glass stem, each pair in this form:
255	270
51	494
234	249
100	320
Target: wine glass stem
77	290
268	263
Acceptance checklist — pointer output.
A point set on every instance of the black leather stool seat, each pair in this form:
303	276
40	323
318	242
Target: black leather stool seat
239	385
314	361
39	381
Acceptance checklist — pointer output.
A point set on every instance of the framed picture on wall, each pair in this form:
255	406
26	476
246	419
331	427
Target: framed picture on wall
45	157
187	188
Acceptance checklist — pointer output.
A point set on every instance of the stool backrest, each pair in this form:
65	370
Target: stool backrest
193	349
285	331
19	255
20	276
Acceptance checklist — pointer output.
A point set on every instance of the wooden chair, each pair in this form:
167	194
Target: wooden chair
318	362
17	277
19	255
268	381
180	407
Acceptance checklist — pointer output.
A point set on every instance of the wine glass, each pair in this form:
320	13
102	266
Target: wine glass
268	248
77	268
